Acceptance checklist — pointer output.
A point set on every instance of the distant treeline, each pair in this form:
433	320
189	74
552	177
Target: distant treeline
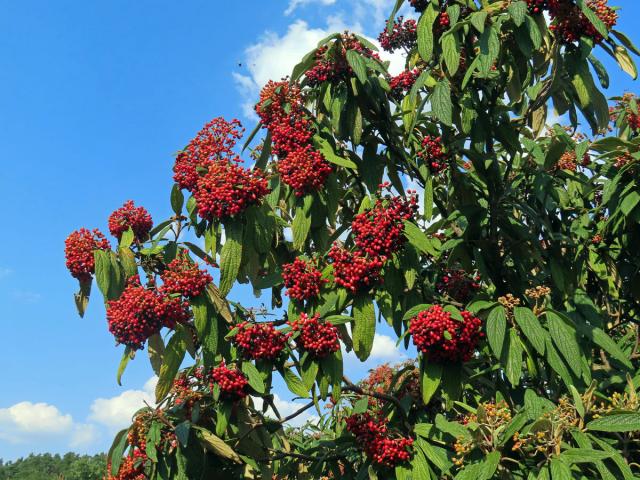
55	467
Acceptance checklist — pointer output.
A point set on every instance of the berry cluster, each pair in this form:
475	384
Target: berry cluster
210	170
259	341
378	231
141	312
433	154
302	279
331	64
401	380
380	446
78	251
537	6
569	23
233	384
184	394
443	338
184	277
567	162
131	468
300	165
353	270
458	285
227	189
402	83
404	34
130	216
419	5
627	106
319	339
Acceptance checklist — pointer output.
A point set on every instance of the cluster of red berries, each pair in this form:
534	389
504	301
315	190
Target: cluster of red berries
320	339
623	160
185	395
379	231
131	468
141	312
259	341
404	34
300	165
458	285
402	380
419	5
402	83
331	64
78	251
302	279
233	384
210	170
433	154
380	446
353	270
130	216
443	338
227	189
569	23
184	277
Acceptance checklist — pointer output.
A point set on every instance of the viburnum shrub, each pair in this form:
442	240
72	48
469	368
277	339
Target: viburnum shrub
500	257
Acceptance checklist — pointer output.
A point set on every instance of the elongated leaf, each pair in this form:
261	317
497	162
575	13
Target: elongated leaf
496	329
174	354
177	199
364	326
119	445
128	354
309	371
619	422
565	339
513	361
531	327
294	384
253	377
230	256
583	455
425	32
419	239
103	272
431	373
155	347
357	64
302	223
441	102
218	446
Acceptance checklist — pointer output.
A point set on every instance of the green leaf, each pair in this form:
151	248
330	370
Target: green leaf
478	20
419	239
217	446
425	32
117	449
81	297
489	465
441	102
518	12
155	347
513	363
496	329
451	51
302	223
126	239
206	324
361	406
294	384
431	373
177	199
531	327
617	422
626	41
556	362
128	354
357	64
253	376
593	18
565	339
173	356
629	203
625	61
103	272
364	326
560	470
415	310
327	151
231	255
583	455
309	371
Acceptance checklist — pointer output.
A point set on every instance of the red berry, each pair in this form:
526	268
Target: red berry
372	435
302	279
353	270
404	34
319	339
433	155
78	251
259	341
184	277
233	384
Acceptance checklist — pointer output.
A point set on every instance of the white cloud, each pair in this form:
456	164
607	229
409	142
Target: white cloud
384	347
83	435
293	4
27	418
117	412
286	408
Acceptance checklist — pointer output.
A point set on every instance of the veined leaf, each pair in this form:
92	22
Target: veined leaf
364	326
496	329
231	255
531	327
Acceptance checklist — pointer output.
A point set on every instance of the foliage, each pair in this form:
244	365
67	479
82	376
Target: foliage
526	236
55	467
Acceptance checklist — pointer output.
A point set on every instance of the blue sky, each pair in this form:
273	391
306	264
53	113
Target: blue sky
94	99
